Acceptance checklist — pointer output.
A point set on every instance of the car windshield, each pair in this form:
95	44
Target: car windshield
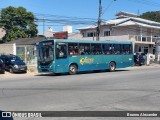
15	59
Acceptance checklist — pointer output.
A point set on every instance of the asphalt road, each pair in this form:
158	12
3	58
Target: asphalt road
128	89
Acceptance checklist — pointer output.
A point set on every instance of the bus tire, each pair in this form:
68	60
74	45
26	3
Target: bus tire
112	66
73	69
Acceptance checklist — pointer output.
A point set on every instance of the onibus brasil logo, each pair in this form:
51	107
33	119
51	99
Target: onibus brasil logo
86	60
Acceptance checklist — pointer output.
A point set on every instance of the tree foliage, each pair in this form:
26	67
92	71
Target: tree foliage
154	16
18	23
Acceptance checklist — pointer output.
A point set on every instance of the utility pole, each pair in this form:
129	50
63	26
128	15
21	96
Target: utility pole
99	21
43	26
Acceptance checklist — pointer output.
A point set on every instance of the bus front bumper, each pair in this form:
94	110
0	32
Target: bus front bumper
42	69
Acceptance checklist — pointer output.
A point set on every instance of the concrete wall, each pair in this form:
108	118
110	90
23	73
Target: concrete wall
2	33
8	49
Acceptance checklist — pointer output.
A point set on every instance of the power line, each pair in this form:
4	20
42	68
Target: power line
108	7
60	17
147	2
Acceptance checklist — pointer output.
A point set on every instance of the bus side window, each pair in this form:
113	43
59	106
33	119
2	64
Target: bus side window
107	49
84	48
61	50
73	49
96	49
127	49
117	49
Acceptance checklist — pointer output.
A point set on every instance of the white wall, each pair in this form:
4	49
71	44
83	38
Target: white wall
8	49
2	32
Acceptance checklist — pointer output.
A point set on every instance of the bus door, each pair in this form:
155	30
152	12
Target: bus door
61	61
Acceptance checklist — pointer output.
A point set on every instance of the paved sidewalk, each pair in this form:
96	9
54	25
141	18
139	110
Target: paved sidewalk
11	75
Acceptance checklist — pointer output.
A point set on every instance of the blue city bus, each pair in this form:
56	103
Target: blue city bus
73	56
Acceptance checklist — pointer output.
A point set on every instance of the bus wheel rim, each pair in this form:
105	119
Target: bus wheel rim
112	67
72	69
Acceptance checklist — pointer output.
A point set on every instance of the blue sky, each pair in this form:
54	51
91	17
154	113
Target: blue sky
80	9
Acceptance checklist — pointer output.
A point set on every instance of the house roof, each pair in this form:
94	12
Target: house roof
26	41
88	27
131	23
115	21
127	21
122	13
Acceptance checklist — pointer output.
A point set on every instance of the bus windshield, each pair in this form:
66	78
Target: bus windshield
45	52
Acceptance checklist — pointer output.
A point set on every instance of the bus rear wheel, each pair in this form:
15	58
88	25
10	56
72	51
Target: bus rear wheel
112	66
73	69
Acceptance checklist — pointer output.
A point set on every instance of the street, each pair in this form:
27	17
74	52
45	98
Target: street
127	89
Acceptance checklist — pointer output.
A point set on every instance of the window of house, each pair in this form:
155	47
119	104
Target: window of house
84	48
96	49
83	34
144	39
91	34
107	33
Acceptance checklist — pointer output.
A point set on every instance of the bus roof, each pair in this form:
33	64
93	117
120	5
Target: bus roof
89	41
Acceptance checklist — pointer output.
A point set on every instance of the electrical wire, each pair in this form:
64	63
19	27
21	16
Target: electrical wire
107	7
147	2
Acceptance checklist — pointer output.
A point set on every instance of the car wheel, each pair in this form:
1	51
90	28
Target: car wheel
73	69
140	64
112	66
3	72
10	70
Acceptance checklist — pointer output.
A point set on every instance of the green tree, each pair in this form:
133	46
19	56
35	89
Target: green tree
154	16
18	23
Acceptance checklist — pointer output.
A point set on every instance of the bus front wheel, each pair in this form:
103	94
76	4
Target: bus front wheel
73	69
112	66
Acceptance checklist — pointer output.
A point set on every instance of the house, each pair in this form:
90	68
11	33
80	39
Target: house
128	27
23	47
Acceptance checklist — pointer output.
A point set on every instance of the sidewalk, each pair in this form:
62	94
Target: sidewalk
145	66
11	75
